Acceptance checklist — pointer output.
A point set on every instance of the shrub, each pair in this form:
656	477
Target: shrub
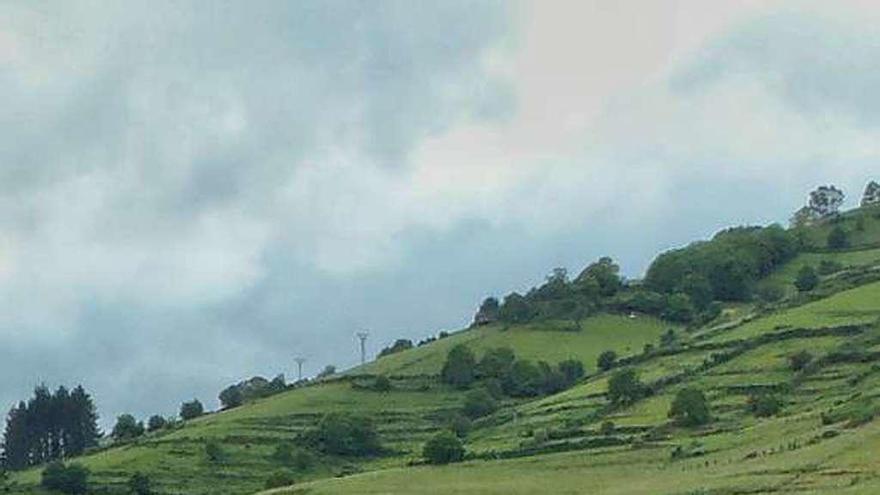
459	370
72	479
382	384
770	293
214	452
606	360
838	238
478	403
231	396
624	387
607	428
764	405
460	425
443	448
399	345
827	267
806	279
278	480
690	408
799	360
192	409
328	370
156	422
139	484
572	370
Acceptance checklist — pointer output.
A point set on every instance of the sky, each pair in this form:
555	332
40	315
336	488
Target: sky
193	193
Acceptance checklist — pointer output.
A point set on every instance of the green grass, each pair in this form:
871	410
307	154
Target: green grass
548	341
850	307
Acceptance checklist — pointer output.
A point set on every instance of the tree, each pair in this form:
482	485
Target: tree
139	484
479	403
443	448
572	370
127	428
515	309
191	410
679	308
488	312
624	387
156	422
72	479
871	195
49	426
668	339
826	201
698	290
214	452
382	384
605	273
806	279
524	380
690	408
231	396
459	370
344	434
838	238
764	405
606	360
399	345
496	363
799	360
328	371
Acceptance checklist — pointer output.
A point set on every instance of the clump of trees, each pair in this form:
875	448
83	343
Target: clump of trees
499	371
127	428
724	268
606	360
49	426
343	434
443	448
690	408
254	388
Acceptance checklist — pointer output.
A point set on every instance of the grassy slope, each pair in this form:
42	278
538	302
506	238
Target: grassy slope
791	452
406	418
249	434
550	341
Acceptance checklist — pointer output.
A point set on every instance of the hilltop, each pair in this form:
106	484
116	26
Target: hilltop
789	371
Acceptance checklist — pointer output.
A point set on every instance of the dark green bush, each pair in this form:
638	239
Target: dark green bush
443	448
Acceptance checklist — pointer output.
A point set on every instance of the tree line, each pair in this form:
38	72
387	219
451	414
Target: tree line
49	426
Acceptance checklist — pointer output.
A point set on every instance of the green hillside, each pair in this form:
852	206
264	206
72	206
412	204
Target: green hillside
823	439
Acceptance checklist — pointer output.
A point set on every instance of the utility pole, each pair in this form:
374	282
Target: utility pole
363	338
299	364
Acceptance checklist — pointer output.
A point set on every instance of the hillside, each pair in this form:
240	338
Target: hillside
822	440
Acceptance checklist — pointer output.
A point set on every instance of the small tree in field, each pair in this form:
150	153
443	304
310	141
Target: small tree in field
156	422
192	409
460	367
72	479
807	279
606	360
690	408
443	448
624	387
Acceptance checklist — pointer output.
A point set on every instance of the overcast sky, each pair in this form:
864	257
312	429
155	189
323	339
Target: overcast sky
192	193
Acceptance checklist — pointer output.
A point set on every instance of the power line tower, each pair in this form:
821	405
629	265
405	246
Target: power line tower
363	338
299	364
